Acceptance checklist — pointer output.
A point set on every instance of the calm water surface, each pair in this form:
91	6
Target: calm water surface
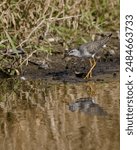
35	115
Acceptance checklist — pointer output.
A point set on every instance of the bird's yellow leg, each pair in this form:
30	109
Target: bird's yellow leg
89	74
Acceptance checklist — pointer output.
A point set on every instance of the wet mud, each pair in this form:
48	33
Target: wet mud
72	69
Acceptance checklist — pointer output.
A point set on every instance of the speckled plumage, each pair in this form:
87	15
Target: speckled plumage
89	50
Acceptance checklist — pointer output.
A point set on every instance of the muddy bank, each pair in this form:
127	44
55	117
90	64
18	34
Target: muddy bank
71	69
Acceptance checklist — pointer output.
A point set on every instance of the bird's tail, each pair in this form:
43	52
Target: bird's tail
106	39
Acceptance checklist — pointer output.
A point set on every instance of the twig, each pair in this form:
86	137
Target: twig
27	58
49	20
3	41
32	32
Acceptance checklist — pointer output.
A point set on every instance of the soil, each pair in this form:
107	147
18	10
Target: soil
72	69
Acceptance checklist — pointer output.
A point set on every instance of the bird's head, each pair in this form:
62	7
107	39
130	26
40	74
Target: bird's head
74	52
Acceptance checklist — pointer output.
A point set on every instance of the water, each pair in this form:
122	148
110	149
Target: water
35	115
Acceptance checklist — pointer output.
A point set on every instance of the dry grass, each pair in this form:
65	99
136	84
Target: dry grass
28	21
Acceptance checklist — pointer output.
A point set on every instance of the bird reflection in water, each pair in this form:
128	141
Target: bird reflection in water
88	106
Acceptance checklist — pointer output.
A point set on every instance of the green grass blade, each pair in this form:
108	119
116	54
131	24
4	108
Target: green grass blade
12	43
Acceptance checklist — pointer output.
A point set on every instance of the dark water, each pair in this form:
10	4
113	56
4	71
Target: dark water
36	115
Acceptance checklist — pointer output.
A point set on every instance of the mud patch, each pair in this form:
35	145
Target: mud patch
71	69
